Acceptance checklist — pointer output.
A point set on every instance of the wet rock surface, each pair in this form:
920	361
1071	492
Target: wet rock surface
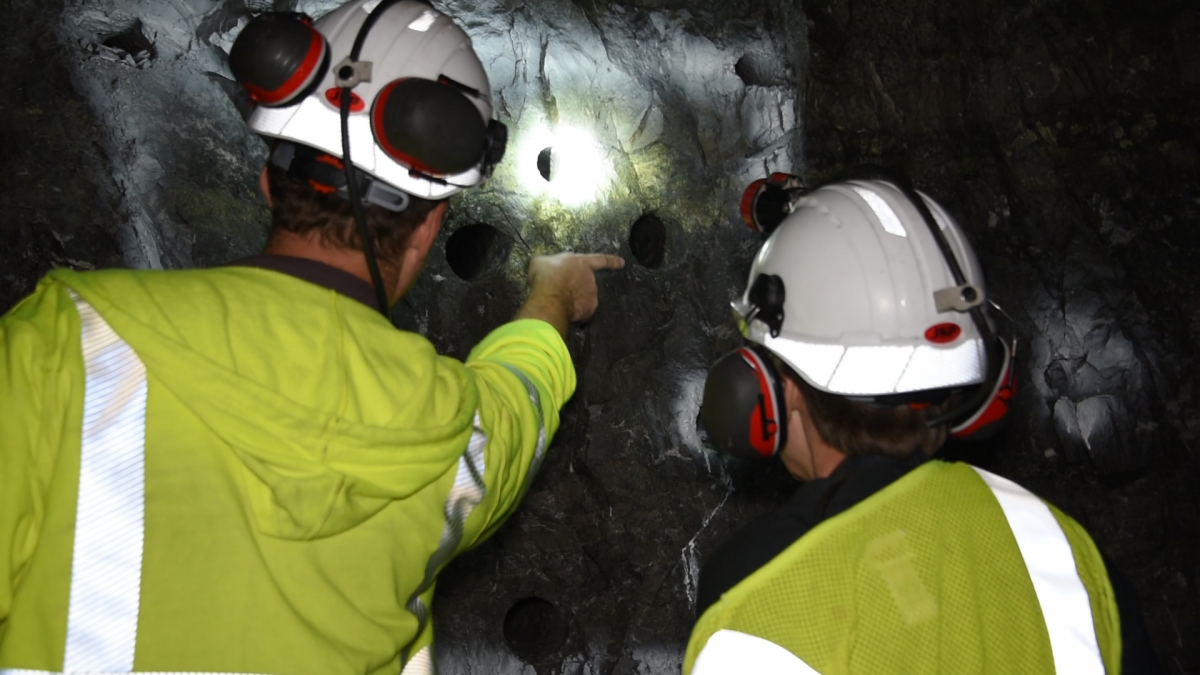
1063	134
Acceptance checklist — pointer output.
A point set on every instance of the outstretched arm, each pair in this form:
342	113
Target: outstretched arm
524	375
562	288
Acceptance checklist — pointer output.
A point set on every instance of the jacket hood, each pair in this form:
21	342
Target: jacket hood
330	412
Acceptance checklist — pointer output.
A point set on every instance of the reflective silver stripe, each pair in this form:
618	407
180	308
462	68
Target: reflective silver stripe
468	491
420	664
539	453
728	652
1051	565
106	567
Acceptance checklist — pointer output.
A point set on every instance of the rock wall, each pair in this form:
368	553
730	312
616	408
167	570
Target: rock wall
1061	133
56	205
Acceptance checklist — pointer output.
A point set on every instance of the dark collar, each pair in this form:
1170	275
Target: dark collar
314	272
856	478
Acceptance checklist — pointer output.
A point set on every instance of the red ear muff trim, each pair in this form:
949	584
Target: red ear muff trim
299	80
377	122
747	205
743	410
767	202
430	127
764	427
996	409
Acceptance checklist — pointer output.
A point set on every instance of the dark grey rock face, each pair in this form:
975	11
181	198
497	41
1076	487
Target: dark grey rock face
1064	137
56	206
182	161
1062	134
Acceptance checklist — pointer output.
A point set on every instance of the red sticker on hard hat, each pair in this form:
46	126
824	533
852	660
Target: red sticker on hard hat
943	333
334	96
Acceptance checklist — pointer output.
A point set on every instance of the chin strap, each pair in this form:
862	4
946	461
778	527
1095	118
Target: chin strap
352	186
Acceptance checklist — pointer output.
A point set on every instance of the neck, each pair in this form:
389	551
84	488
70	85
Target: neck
825	459
352	261
828	461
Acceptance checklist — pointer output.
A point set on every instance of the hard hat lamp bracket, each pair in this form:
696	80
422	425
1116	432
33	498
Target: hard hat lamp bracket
958	298
766	299
349	73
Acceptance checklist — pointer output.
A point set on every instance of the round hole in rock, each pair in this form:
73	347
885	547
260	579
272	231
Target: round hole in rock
543	162
760	70
648	240
476	249
132	41
534	629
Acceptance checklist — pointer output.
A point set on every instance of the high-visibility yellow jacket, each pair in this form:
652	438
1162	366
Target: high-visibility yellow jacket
949	569
233	470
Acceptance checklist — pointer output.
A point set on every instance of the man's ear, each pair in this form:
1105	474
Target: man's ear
426	231
265	186
791	394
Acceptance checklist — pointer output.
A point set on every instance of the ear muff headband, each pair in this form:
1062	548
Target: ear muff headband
279	58
743	409
986	420
429	126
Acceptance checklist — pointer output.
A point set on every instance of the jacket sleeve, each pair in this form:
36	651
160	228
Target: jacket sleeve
40	373
524	375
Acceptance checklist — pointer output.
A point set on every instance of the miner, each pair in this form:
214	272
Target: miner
869	339
248	469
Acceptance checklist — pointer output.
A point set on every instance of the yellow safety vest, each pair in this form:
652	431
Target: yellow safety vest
236	471
950	569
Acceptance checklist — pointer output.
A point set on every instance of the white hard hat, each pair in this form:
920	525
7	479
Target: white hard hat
411	45
863	284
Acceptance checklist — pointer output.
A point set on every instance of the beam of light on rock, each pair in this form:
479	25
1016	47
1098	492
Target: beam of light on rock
579	172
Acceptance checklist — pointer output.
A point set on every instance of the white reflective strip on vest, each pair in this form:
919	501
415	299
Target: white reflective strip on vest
421	664
1060	592
468	491
539	452
106	567
729	651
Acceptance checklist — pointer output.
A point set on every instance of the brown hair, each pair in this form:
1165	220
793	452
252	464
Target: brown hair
300	209
858	428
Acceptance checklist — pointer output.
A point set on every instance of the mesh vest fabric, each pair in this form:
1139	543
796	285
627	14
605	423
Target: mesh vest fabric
923	577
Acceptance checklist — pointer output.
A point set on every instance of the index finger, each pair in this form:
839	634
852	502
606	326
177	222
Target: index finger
603	261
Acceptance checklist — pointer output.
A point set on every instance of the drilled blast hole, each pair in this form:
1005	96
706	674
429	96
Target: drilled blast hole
534	629
648	241
475	250
761	70
543	163
132	41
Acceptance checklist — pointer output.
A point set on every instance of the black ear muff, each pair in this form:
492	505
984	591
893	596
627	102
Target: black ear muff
768	201
497	143
429	126
743	412
279	58
988	419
